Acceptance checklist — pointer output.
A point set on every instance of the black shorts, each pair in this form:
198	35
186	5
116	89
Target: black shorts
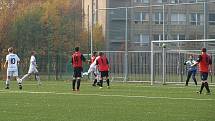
104	73
77	72
204	76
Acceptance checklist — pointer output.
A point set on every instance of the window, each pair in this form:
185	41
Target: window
160	1
194	36
137	16
200	0
143	39
211	37
141	1
211	19
141	17
178	37
176	1
195	1
178	19
158	18
159	37
196	19
192	1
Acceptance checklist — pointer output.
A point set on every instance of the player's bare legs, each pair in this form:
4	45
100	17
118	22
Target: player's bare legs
7	82
24	77
29	74
38	79
19	82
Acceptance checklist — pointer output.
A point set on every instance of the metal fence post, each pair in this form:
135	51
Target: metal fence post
126	44
204	4
49	58
91	33
163	49
152	64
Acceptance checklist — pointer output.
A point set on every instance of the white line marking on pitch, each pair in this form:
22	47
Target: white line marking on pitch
101	95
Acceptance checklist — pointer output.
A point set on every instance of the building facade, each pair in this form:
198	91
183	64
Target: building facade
140	21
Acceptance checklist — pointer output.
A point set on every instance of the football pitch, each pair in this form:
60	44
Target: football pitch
54	101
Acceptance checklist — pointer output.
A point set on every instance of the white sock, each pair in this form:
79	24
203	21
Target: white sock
7	81
18	80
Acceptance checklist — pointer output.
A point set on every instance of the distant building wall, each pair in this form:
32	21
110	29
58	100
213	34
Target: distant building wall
146	23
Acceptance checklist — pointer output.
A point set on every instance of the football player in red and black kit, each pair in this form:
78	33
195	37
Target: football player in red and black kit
103	67
77	59
204	61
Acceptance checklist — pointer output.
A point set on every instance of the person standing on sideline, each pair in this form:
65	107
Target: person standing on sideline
204	61
103	67
32	69
12	61
191	70
77	59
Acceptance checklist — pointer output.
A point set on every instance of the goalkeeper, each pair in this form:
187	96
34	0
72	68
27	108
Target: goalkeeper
191	69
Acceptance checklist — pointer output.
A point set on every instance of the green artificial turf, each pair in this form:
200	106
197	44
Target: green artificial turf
55	101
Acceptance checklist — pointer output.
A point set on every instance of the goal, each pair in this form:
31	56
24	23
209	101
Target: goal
168	57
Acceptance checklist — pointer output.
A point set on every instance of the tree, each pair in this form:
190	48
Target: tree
51	27
98	37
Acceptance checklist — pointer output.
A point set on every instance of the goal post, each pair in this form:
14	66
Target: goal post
168	56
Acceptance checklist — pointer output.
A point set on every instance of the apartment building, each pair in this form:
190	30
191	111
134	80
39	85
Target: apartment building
141	21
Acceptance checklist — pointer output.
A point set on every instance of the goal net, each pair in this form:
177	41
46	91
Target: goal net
168	57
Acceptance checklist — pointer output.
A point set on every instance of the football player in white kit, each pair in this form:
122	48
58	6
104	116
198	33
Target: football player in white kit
12	60
32	69
93	69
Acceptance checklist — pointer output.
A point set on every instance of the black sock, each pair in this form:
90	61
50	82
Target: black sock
95	81
207	87
108	82
202	86
78	84
187	81
194	79
188	78
73	83
101	83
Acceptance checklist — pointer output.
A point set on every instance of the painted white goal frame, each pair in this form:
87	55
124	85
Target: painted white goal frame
169	41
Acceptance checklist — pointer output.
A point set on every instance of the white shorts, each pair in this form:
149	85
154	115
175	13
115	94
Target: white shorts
12	73
94	70
32	70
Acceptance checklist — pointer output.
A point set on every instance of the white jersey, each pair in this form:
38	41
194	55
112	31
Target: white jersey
93	66
33	62
12	60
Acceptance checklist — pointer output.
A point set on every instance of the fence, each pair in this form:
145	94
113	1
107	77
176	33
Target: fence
139	66
128	32
51	67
